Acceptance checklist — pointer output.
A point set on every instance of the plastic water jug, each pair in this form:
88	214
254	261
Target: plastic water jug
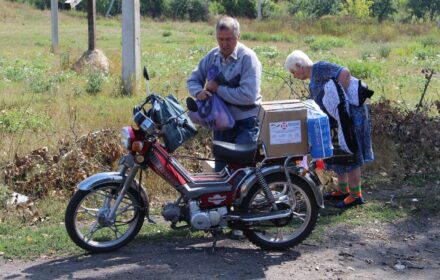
320	140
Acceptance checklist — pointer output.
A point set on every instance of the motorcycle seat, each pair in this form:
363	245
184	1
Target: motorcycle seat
234	153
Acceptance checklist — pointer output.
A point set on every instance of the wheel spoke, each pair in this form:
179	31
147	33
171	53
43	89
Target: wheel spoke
89	211
125	209
115	229
90	233
299	216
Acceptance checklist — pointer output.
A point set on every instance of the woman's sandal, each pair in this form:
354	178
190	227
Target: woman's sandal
355	202
334	196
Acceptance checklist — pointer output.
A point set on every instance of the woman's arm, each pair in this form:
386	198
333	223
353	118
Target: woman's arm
344	78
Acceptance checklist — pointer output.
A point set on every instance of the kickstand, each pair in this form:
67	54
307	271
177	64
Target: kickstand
151	221
215	235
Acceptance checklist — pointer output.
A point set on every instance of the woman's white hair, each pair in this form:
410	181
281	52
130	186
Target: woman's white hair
295	58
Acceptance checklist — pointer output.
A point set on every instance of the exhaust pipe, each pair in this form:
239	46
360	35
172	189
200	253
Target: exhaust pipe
248	218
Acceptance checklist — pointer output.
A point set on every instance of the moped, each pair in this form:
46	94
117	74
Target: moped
273	201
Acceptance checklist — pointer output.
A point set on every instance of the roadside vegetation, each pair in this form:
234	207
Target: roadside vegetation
46	108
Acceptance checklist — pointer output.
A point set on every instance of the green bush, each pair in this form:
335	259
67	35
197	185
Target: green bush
95	82
12	121
39	83
430	41
326	43
166	33
365	69
15	72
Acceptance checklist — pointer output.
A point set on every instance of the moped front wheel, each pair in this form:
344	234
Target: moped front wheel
89	226
283	233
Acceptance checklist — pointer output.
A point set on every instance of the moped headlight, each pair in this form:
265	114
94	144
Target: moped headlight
127	136
145	123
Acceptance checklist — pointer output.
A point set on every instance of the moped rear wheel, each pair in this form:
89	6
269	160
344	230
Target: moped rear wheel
281	234
88	225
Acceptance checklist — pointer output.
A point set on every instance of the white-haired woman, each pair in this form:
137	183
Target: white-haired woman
348	189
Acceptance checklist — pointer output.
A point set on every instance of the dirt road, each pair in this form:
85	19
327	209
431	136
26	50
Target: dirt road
409	249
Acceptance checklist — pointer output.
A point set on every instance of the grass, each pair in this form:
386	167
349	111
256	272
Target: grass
43	101
42	233
25	236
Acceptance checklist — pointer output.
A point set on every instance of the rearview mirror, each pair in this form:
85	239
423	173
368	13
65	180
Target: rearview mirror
191	105
146	73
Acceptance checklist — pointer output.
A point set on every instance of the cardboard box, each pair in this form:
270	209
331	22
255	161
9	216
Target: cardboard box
283	128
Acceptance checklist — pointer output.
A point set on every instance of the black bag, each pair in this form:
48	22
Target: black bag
341	157
347	124
174	136
364	92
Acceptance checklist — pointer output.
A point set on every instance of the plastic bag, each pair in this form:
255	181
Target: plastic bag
213	114
318	128
173	135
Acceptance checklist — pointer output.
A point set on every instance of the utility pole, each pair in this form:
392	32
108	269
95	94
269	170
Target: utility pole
54	24
93	58
259	15
131	54
91	20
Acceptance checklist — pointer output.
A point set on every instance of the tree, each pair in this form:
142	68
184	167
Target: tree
420	8
153	8
357	8
198	10
240	8
315	9
383	9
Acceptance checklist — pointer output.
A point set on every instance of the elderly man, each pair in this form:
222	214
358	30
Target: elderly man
237	83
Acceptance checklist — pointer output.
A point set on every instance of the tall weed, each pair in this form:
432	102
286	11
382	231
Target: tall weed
384	51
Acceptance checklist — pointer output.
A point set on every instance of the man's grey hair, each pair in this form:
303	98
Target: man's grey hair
228	23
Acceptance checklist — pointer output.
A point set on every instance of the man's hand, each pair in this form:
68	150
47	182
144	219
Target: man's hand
212	86
203	95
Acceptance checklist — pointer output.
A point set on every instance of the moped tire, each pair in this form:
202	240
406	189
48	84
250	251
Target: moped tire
101	245
255	201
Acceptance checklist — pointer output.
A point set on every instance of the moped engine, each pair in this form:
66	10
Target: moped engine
205	219
172	212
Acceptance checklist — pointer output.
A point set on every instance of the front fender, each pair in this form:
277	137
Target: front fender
307	179
110	177
99	179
